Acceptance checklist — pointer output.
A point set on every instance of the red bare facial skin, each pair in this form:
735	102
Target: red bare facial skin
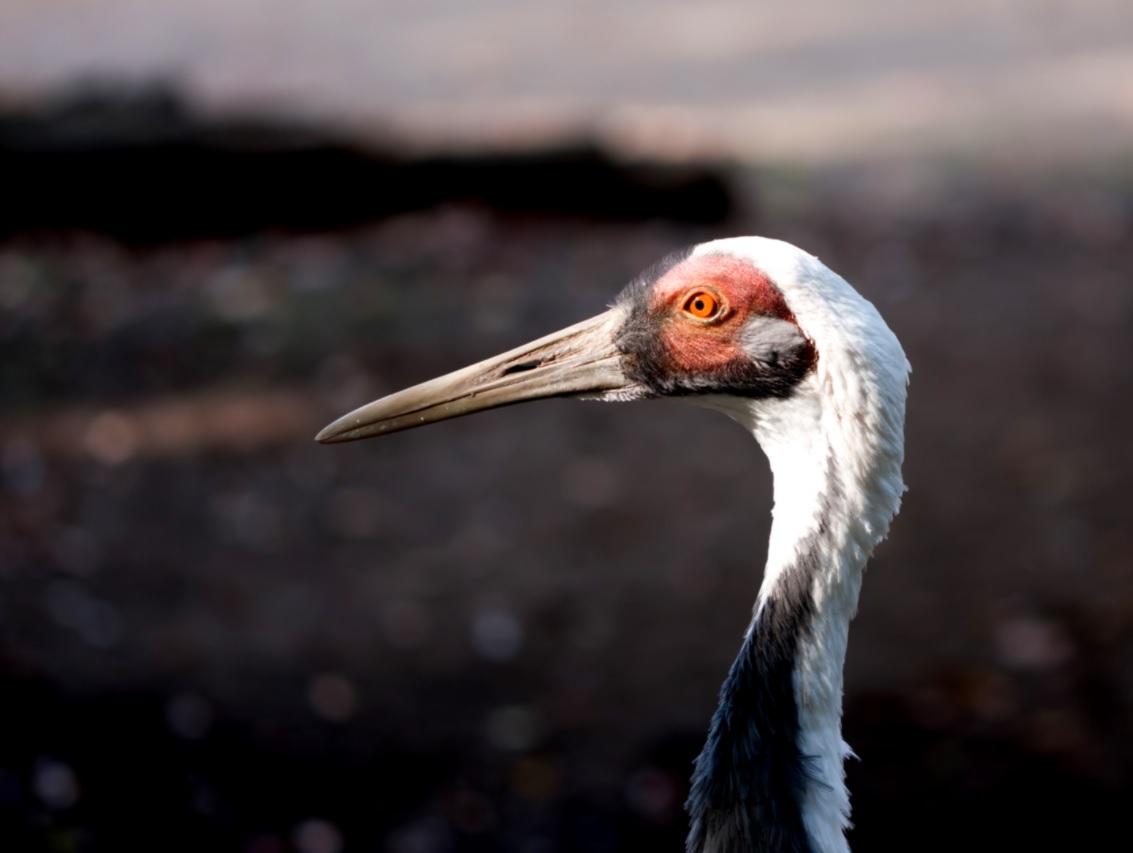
745	292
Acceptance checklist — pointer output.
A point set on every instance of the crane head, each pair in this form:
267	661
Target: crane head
717	320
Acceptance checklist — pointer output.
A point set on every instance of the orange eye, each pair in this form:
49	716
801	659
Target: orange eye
702	305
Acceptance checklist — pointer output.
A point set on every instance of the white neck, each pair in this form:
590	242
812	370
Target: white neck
815	509
832	505
833	501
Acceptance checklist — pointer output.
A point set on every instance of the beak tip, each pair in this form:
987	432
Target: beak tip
347	428
329	434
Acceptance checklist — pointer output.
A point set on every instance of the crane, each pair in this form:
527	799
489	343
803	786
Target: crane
767	334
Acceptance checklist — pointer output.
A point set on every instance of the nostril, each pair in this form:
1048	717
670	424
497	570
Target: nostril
521	367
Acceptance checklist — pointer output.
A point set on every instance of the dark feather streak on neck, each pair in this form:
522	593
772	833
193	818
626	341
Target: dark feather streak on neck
749	780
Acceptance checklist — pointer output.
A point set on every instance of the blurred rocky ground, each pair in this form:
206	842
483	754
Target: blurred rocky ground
506	633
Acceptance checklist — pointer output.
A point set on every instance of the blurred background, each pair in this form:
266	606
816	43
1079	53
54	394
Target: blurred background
223	224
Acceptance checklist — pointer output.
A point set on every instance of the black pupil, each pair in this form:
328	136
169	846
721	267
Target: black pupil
699	305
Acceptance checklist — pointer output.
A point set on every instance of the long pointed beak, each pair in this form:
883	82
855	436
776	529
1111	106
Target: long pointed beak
578	361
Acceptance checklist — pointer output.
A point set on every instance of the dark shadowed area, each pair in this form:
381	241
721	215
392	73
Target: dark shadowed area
506	632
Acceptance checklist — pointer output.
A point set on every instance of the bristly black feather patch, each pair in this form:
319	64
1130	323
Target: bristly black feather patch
749	779
636	293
